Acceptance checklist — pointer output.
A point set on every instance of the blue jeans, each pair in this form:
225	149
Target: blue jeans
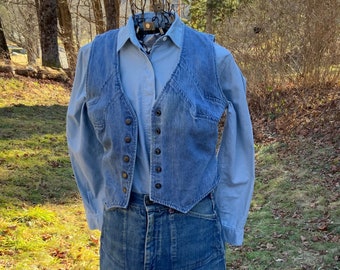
151	236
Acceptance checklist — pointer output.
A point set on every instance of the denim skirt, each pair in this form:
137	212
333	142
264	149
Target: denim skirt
150	236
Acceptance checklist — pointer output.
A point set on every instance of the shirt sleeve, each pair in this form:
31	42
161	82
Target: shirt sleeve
84	149
236	152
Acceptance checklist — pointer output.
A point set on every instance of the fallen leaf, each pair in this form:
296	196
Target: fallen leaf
303	239
323	226
316	238
12	227
59	254
46	236
270	246
94	240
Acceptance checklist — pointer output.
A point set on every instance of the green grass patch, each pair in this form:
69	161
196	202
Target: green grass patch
42	222
294	220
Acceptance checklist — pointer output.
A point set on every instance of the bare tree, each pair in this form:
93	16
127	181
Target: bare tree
4	52
112	8
98	16
66	32
28	32
48	26
21	26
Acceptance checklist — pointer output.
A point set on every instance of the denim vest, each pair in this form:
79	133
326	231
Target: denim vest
184	121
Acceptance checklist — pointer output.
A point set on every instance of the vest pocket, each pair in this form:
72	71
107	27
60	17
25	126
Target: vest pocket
196	102
96	114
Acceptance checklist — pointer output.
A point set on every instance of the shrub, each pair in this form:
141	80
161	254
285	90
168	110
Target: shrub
279	43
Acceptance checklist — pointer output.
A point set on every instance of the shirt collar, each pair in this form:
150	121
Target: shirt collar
127	32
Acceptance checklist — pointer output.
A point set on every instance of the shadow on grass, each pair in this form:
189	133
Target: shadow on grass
20	121
34	162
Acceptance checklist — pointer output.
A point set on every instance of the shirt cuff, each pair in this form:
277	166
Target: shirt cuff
94	221
232	236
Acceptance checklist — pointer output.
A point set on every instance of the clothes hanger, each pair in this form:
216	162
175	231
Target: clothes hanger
160	23
166	11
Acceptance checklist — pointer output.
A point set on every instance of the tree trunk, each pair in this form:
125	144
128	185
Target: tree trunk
4	52
77	27
32	52
65	22
48	26
210	13
112	8
30	38
98	16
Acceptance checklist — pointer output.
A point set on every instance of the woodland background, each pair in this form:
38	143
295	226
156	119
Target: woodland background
295	41
289	53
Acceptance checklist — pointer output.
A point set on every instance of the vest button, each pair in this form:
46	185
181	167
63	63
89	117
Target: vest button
126	158
158	151
124	189
125	175
128	121
158	131
158	112
127	139
158	185
158	169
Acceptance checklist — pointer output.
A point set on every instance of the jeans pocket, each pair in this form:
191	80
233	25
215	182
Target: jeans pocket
205	209
197	243
122	239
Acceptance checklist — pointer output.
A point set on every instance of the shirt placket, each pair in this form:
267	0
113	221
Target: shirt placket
149	96
153	126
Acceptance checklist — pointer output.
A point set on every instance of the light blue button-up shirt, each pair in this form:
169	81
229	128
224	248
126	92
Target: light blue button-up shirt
144	75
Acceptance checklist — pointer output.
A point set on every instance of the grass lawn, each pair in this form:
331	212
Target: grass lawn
294	221
42	222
